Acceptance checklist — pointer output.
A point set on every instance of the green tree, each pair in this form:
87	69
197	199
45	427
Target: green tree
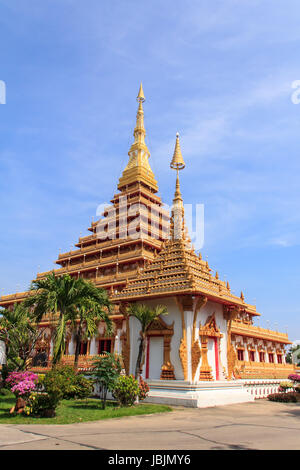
293	349
62	297
20	336
106	372
146	316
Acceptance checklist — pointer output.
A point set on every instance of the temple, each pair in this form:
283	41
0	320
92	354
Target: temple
207	349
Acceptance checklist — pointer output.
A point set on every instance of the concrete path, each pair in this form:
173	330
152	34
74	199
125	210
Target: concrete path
258	425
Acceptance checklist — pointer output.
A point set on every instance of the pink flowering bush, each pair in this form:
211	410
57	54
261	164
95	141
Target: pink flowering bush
22	383
294	377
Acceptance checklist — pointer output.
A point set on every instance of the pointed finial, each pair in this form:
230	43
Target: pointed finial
242	296
177	162
217	275
228	286
141	96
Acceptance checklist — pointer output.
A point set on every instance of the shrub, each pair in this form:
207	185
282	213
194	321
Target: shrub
283	397
126	390
4	391
83	387
5	371
143	389
65	381
42	404
106	372
60	383
285	385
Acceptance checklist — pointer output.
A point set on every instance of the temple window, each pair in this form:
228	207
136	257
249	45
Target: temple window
104	345
252	356
240	354
261	356
279	358
83	348
271	358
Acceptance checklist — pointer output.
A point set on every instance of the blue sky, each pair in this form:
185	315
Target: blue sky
218	72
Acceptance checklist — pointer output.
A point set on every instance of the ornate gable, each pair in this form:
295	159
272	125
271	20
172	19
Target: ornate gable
210	328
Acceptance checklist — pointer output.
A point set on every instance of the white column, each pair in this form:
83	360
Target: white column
93	347
117	348
246	353
71	347
2	352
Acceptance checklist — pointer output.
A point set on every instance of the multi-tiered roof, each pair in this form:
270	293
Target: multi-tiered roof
129	251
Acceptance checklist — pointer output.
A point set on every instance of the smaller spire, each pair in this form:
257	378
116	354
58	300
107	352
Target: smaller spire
177	162
217	275
177	196
177	218
141	96
242	296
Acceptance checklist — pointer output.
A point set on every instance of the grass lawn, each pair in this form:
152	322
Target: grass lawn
77	411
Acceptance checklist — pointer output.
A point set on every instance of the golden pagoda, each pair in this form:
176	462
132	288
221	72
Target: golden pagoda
141	253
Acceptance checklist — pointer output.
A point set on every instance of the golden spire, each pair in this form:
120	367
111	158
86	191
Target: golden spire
177	217
138	168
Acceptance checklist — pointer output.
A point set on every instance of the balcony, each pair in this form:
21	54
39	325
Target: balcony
251	331
85	363
264	370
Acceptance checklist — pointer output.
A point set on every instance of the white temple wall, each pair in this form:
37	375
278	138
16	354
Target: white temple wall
174	315
2	352
134	328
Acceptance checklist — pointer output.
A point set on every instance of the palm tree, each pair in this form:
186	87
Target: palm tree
146	316
20	336
85	320
63	297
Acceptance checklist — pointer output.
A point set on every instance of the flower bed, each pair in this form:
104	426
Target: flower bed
288	397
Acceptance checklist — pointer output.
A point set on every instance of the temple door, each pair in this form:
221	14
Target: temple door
213	356
154	357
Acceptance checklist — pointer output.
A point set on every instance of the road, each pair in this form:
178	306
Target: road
257	425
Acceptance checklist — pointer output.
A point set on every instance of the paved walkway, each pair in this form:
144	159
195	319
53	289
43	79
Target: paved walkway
258	425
